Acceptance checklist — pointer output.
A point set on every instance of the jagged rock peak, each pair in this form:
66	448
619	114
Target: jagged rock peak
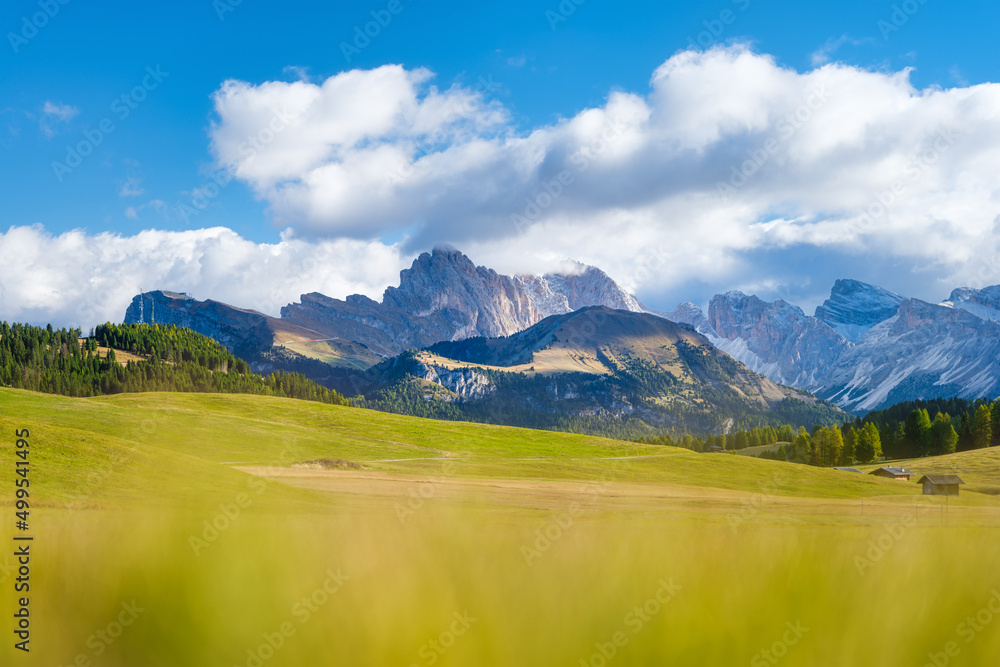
585	285
855	307
984	303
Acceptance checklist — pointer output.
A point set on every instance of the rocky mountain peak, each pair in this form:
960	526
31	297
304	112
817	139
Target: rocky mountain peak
585	286
855	307
445	296
983	303
775	338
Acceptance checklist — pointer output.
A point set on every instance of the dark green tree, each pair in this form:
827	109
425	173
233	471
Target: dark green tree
943	436
869	445
982	427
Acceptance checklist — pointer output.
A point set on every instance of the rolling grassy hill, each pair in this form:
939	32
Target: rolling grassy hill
266	431
458	544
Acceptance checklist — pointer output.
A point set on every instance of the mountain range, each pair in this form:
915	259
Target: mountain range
596	369
864	348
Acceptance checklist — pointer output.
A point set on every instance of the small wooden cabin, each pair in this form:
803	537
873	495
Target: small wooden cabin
848	470
940	485
893	473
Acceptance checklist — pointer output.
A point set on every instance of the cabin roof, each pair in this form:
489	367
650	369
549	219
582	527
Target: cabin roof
941	479
893	470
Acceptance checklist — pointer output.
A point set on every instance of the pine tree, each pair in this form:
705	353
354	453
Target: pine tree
943	435
741	441
847	454
917	438
982	427
995	414
828	443
869	446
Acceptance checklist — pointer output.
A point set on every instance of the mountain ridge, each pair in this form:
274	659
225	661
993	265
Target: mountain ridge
444	296
597	366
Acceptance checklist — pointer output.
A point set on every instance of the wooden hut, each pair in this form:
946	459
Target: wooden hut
940	485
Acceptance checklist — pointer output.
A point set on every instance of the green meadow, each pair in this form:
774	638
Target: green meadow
181	530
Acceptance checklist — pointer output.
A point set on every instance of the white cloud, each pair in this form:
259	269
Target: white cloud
54	115
77	279
158	205
823	54
383	153
730	170
59	111
131	186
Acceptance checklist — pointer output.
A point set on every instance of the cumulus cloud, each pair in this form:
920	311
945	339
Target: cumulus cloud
727	153
729	170
77	279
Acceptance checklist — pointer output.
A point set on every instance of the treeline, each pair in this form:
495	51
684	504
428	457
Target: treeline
58	361
824	446
169	343
906	430
938	426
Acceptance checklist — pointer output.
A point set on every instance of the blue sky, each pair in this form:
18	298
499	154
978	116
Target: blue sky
59	83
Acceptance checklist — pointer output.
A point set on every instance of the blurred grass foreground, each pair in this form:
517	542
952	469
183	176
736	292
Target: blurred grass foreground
177	530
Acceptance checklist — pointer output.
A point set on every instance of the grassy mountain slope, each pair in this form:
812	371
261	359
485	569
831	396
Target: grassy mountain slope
594	370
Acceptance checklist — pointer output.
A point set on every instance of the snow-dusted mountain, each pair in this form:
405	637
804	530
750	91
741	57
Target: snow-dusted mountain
866	347
775	339
923	351
984	303
855	307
